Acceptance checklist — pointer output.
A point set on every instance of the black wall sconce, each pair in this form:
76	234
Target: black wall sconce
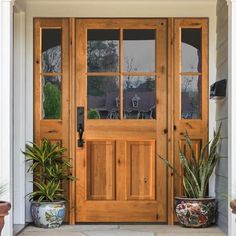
218	90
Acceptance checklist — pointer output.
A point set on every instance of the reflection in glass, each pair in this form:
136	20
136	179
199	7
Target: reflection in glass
51	97
191	97
139	50
103	50
191	50
103	97
51	50
139	97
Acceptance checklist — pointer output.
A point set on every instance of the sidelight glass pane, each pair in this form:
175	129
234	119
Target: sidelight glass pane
139	50
51	50
103	97
51	97
139	97
103	50
191	97
191	50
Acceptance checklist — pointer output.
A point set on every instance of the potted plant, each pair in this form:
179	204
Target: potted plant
50	169
233	206
4	208
196	209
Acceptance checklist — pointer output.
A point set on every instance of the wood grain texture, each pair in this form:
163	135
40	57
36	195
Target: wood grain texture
117	169
101	170
123	176
52	129
196	128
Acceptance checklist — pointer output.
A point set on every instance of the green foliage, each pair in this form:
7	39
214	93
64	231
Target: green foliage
50	169
93	114
197	170
52	101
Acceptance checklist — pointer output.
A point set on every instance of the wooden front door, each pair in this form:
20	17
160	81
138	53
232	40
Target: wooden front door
121	83
132	106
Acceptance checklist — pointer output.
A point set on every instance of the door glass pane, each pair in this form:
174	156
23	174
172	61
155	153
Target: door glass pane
139	97
191	97
103	50
51	97
51	50
139	50
191	50
103	97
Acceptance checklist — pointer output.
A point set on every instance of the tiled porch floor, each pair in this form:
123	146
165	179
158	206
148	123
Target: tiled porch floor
121	230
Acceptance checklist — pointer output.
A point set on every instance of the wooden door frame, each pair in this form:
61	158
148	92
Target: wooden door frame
170	57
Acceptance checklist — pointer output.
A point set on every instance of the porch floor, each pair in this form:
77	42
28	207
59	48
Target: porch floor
121	230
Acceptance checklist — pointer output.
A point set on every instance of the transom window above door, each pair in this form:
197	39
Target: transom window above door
121	73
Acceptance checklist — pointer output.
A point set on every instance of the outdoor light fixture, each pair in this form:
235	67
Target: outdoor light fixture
218	89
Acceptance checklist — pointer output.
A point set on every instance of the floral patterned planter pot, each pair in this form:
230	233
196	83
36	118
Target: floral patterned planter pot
195	213
48	214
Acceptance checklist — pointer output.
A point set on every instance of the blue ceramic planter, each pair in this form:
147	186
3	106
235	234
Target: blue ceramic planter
48	214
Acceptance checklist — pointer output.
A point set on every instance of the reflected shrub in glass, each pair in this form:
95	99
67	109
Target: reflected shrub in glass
52	101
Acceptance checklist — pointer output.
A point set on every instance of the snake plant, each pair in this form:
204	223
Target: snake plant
197	170
50	169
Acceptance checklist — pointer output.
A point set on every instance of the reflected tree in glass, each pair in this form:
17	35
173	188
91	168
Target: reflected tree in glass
191	97
103	50
51	97
51	50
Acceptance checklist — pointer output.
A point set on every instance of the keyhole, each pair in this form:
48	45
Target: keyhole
145	180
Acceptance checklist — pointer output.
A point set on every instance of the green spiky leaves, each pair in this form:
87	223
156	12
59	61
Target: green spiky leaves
50	169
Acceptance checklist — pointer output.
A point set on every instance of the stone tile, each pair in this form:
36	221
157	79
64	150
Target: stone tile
121	230
51	233
118	233
168	229
74	228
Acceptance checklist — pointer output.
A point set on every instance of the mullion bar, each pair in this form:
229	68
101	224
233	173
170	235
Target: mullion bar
103	73
51	74
121	75
190	73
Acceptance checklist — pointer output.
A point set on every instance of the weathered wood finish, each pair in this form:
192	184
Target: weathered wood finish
130	180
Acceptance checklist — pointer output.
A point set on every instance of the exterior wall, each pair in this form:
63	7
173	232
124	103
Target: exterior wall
116	8
222	115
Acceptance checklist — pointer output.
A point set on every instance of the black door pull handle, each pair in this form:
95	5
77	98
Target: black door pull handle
80	131
80	125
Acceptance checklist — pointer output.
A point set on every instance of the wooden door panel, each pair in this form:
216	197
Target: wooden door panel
100	170
190	95
140	176
117	168
124	211
51	48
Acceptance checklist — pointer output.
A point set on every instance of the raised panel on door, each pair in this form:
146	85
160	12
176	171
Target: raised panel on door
141	168
100	170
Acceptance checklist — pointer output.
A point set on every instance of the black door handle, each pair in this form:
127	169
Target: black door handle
80	131
80	125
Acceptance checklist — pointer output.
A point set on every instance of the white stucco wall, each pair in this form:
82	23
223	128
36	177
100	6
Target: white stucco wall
112	8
